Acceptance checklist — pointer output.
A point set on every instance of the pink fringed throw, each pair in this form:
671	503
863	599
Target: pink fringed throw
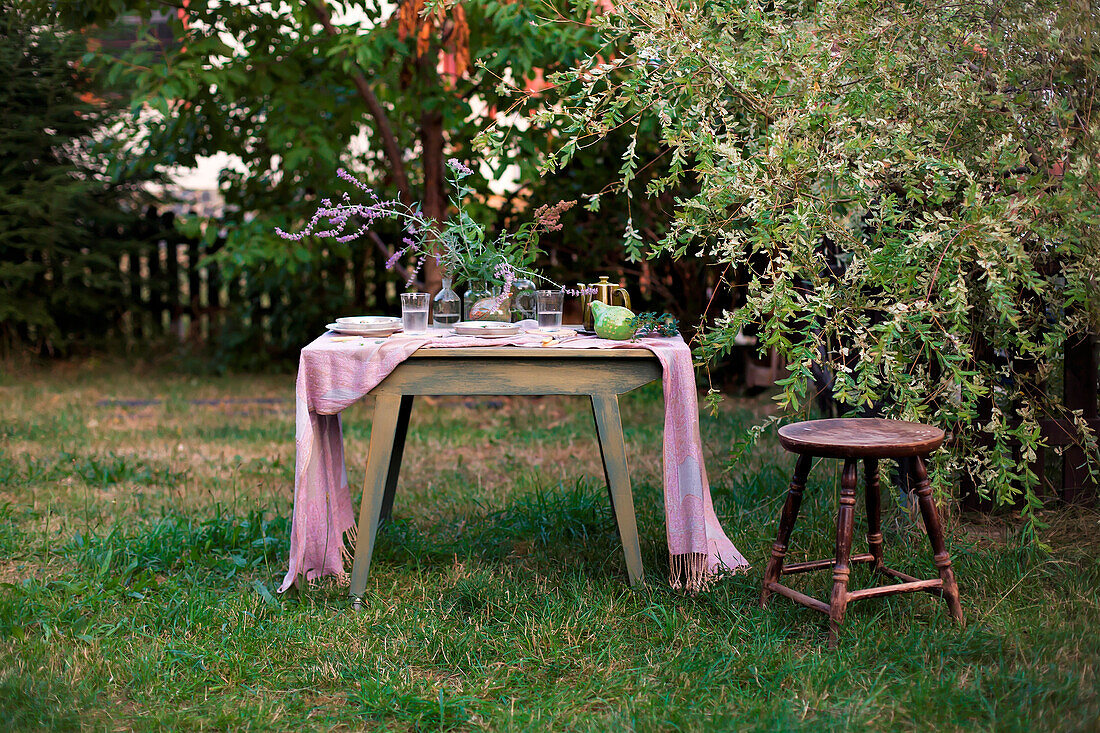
333	374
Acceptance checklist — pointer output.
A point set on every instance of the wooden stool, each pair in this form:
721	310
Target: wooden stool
853	439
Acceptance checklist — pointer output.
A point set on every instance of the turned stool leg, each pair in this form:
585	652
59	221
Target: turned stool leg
845	520
874	511
935	536
786	524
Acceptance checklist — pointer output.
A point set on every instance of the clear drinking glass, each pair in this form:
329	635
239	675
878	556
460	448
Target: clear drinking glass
414	312
549	308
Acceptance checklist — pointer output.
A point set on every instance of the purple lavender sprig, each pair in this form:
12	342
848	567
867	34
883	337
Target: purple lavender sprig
460	169
507	273
415	271
338	217
578	292
456	244
503	271
392	261
341	173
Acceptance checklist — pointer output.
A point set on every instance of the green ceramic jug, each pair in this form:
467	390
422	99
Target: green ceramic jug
612	321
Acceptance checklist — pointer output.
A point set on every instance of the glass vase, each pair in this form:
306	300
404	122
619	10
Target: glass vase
523	299
483	303
446	306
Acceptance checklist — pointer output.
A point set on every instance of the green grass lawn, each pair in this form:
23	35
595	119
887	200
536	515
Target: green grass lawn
144	524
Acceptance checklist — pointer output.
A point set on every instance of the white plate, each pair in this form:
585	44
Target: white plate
352	330
431	333
367	320
553	331
485	328
488	335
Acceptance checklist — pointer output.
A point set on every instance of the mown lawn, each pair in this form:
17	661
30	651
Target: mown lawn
144	523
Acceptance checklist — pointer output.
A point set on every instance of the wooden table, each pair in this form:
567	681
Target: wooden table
600	374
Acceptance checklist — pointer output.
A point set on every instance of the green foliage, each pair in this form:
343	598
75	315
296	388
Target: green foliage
470	254
945	154
588	244
654	324
62	224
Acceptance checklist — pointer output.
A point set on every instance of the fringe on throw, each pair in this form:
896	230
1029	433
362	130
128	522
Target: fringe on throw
347	547
341	579
347	554
689	572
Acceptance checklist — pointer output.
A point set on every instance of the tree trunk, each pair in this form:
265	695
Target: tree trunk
431	141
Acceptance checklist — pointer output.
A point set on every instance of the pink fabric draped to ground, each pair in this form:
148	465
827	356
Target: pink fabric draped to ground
333	374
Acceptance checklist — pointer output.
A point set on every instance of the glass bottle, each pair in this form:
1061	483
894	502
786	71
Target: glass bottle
523	299
446	306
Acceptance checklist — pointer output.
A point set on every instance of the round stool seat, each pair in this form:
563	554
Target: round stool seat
860	437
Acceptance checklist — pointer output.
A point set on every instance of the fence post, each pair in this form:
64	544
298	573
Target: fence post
213	292
172	275
156	285
194	296
1081	385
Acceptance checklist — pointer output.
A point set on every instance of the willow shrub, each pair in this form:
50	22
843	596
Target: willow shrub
949	153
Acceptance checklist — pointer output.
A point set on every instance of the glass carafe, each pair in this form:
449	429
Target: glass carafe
446	306
523	299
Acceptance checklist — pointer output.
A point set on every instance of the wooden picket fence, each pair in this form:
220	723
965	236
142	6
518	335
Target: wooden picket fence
167	292
173	290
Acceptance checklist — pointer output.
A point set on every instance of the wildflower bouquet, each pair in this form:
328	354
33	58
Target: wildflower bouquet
460	245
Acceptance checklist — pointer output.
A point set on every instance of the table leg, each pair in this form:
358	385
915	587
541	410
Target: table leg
603	464
395	456
609	427
387	410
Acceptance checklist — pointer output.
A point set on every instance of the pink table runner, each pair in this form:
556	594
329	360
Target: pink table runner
333	374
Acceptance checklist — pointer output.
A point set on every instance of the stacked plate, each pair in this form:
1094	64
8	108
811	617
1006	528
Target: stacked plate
366	325
486	329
